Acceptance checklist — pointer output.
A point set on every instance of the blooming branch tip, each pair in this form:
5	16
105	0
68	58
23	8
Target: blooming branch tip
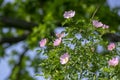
64	58
111	46
43	42
69	14
57	42
113	62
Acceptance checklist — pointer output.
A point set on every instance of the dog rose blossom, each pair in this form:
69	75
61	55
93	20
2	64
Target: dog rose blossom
69	14
105	26
64	58
111	46
60	35
57	42
113	62
43	42
97	24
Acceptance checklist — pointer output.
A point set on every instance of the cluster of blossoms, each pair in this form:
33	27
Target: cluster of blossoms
59	39
65	57
98	24
113	61
111	46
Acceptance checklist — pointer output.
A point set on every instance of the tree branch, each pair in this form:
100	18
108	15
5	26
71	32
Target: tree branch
13	39
21	24
19	66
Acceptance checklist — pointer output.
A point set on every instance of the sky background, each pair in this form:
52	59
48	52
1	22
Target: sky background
5	68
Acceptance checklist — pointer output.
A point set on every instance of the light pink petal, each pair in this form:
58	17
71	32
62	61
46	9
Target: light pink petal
105	26
111	46
43	42
69	14
57	42
113	62
97	24
64	58
60	35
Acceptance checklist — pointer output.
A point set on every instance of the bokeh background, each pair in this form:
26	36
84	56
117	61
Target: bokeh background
24	22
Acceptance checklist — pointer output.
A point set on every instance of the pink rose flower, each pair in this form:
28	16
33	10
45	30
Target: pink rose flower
69	14
43	42
105	26
97	24
64	58
113	62
111	46
57	42
61	35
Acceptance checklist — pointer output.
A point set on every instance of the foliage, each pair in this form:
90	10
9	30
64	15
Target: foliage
85	60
